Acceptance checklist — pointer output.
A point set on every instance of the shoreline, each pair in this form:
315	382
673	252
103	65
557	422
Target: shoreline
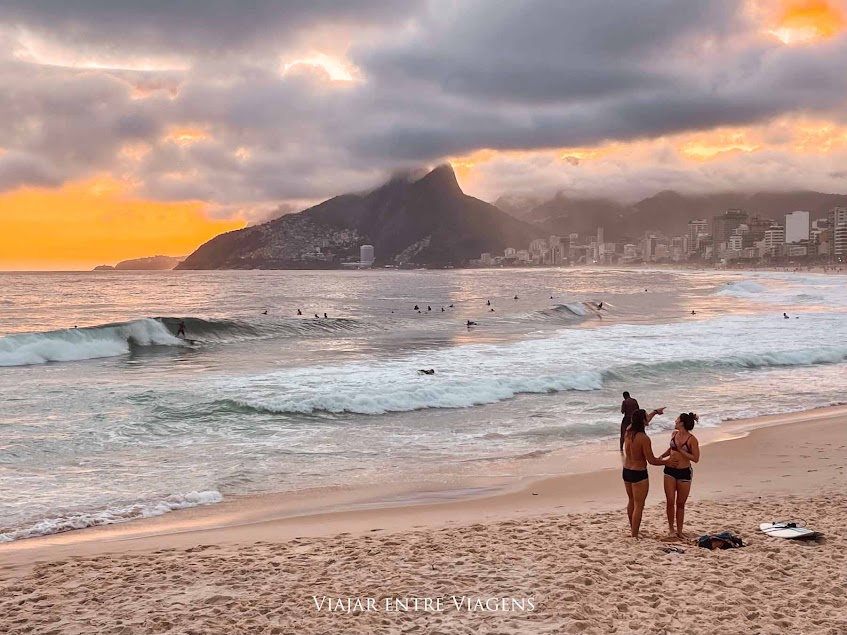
591	483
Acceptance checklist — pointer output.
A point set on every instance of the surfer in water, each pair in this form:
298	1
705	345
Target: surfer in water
299	312
488	303
265	312
683	450
325	317
785	315
180	332
638	452
470	324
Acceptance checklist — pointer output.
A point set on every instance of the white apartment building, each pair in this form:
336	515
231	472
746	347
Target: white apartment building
796	226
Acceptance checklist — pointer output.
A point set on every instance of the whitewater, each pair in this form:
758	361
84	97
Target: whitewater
109	416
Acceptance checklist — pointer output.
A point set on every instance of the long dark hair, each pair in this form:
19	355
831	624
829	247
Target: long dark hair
639	420
688	420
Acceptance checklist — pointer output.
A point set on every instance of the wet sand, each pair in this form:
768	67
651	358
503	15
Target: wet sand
259	565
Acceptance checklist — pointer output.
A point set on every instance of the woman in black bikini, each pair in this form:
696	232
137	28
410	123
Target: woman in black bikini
638	452
684	449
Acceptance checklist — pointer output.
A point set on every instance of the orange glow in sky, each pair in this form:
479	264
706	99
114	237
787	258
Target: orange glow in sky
802	21
94	222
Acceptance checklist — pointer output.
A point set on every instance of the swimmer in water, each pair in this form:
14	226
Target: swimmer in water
451	306
785	315
299	312
325	316
488	303
442	309
181	330
416	308
424	371
265	312
428	308
516	297
600	307
471	323
317	317
492	310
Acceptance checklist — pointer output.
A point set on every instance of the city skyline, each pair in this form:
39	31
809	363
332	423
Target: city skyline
727	237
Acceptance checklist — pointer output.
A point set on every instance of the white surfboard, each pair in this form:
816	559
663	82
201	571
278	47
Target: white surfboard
782	530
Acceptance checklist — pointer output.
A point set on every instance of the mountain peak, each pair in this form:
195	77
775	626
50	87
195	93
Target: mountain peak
442	178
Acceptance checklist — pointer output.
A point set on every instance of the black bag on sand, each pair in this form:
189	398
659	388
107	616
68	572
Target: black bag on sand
723	540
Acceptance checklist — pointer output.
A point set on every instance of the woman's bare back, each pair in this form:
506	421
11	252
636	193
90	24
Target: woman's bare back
633	452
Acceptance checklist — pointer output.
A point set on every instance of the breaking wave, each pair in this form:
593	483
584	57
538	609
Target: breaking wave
474	380
76	344
111	340
133	511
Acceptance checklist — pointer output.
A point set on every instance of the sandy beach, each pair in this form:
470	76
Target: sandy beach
547	556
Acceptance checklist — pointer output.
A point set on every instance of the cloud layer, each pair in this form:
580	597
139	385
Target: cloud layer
210	101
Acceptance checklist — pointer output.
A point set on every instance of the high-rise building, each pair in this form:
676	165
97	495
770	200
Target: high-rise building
838	232
839	242
600	239
758	225
774	240
648	251
695	229
796	226
723	224
366	254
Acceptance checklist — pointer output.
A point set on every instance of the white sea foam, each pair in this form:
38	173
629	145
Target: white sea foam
789	290
85	343
133	511
572	360
742	289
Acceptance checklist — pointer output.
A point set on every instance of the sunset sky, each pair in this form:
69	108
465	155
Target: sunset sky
130	129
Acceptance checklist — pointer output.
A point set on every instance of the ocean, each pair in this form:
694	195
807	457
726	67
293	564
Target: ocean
108	416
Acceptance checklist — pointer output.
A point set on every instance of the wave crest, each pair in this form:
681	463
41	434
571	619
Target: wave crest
76	344
81	520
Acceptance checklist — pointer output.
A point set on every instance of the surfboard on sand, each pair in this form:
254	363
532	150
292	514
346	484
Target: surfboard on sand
784	529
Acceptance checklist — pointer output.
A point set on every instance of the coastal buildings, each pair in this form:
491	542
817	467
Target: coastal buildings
732	238
723	224
797	227
838	232
366	254
774	240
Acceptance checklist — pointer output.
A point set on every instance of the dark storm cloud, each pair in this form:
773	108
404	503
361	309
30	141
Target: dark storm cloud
18	169
548	50
190	26
437	79
547	74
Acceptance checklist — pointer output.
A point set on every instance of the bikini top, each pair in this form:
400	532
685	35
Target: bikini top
685	445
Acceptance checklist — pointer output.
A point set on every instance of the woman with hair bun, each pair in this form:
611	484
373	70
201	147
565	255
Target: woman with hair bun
637	453
683	450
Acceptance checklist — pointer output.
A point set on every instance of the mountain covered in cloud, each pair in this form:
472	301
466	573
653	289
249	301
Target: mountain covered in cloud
667	212
408	220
